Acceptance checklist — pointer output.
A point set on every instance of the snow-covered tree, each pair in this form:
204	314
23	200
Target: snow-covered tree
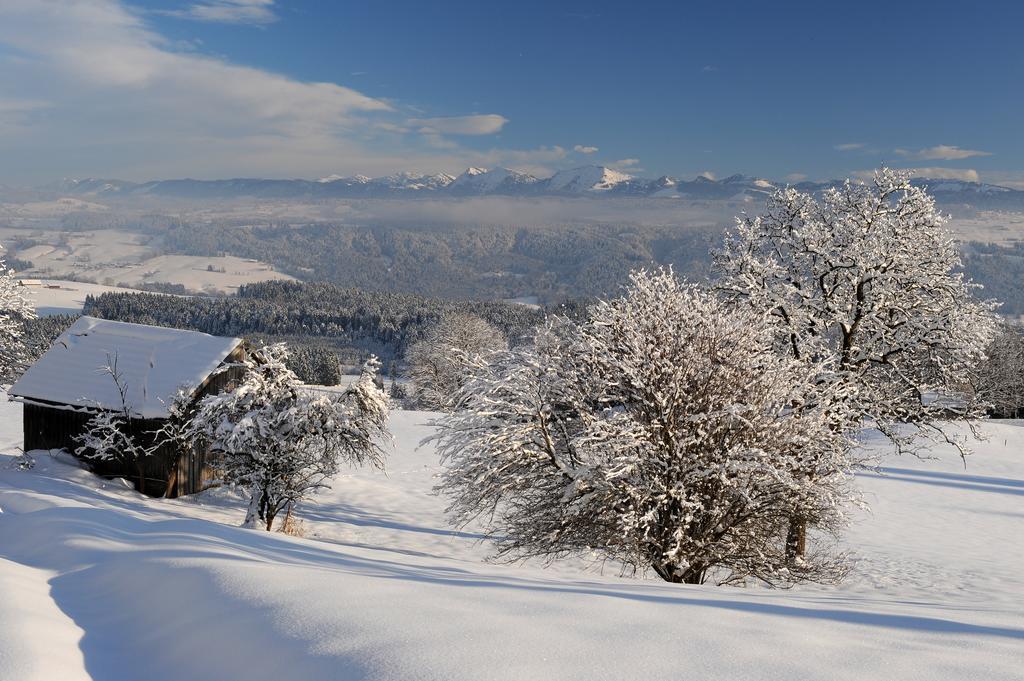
867	274
315	364
1001	380
438	364
15	309
666	433
113	434
280	441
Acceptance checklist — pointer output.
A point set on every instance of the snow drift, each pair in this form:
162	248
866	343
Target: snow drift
99	582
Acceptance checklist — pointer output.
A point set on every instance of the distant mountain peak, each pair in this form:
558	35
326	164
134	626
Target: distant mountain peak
590	180
409	180
496	180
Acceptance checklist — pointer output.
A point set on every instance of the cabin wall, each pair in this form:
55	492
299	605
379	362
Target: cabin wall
196	469
170	471
225	380
51	428
56	427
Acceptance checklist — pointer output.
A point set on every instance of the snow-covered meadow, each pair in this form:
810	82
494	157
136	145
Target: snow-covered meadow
99	582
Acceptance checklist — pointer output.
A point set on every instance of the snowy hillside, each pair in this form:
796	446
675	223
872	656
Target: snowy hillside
98	582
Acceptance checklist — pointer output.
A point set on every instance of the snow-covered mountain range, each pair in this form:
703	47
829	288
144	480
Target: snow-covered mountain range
585	181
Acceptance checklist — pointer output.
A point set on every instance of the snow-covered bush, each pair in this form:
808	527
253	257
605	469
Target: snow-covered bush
1001	380
666	433
438	364
15	309
868	275
279	441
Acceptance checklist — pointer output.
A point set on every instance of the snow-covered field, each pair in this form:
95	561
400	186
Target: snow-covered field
117	257
98	582
56	296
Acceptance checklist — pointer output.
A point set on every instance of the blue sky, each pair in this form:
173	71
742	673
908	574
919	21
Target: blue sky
213	88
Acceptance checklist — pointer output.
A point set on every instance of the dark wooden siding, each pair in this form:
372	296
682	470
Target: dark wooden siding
52	427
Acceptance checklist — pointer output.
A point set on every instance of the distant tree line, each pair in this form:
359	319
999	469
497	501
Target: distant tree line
490	261
157	287
318	319
19	265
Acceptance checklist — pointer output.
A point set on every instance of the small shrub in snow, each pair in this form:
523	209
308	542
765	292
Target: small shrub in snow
438	364
23	462
279	441
666	433
293	526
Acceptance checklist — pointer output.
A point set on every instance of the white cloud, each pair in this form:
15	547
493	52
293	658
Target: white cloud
21	105
16	115
579	148
482	124
439	142
934	173
1014	180
542	161
965	174
625	164
229	11
100	50
942	152
707	175
795	177
850	146
89	88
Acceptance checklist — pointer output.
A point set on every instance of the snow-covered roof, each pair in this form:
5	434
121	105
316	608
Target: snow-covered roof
154	362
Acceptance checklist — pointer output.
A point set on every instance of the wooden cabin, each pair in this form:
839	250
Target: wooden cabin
71	382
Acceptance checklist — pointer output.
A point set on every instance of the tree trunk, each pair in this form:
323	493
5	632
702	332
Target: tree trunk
671	573
252	514
267	511
796	539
